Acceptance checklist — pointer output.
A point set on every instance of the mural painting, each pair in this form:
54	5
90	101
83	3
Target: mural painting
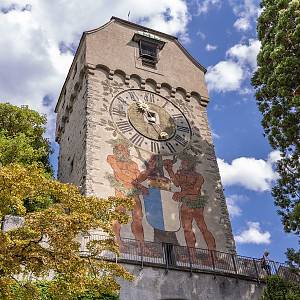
126	184
172	200
192	202
156	167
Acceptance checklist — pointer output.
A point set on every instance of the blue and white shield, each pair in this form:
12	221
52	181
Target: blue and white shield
161	211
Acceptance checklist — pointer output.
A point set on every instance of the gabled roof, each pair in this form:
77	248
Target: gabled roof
168	36
139	27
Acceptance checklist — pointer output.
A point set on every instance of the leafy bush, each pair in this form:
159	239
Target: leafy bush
279	289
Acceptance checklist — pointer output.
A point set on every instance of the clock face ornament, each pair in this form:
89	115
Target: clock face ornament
151	122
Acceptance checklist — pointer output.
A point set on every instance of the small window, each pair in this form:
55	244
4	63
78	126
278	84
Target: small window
72	165
148	52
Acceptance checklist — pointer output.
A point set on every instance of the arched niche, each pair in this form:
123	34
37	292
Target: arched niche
119	76
102	71
165	90
135	81
150	85
180	93
195	98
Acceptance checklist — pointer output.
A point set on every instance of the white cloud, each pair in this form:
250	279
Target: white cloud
242	24
253	174
253	235
32	32
228	75
203	6
201	34
210	47
215	135
232	204
225	76
247	12
245	54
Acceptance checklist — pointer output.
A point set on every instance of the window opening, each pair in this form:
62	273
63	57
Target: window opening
148	53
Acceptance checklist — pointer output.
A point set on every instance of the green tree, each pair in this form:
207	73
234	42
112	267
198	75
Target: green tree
277	82
22	136
55	215
279	289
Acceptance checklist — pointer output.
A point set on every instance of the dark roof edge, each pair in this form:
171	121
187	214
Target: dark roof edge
187	53
172	37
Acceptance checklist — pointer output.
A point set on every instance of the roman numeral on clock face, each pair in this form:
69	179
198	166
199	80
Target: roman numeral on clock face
154	147
123	101
183	128
137	139
118	112
149	97
177	116
170	147
133	96
180	140
124	126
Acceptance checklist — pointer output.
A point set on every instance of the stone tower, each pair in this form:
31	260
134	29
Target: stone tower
132	121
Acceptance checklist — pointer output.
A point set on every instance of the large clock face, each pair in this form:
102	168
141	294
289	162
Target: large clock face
150	121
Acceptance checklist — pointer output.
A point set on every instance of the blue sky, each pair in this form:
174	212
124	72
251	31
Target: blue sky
38	38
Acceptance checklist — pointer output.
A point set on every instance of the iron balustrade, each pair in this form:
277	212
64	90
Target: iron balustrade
175	257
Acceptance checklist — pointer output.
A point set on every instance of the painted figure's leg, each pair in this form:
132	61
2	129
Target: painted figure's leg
116	225
190	238
137	218
117	228
186	220
207	235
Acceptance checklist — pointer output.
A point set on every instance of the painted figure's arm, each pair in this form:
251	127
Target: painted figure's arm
150	167
195	189
142	176
168	164
113	163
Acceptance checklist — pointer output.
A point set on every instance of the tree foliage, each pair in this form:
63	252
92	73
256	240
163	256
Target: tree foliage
293	258
42	291
279	289
277	83
22	136
55	216
48	239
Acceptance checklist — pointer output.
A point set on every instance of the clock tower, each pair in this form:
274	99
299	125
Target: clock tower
132	121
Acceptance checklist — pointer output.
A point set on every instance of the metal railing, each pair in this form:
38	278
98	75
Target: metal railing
175	257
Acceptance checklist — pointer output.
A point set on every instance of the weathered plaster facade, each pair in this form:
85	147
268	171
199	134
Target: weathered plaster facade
153	283
107	64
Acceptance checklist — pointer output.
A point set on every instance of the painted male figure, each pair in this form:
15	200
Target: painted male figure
193	202
126	180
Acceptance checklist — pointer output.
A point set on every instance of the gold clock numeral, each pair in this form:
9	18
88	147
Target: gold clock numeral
137	139
170	147
183	128
149	97
124	126
180	140
154	147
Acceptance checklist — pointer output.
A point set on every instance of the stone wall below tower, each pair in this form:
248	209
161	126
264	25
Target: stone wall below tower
156	284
